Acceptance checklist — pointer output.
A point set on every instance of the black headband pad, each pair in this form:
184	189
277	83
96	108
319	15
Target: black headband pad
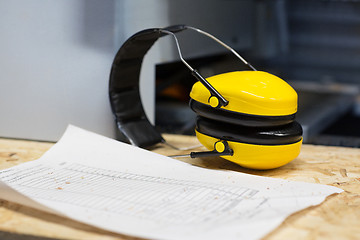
124	90
126	67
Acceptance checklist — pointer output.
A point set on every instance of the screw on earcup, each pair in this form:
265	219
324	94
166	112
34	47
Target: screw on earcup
226	116
274	135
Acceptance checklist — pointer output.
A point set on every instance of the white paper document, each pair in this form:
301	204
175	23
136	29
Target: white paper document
128	190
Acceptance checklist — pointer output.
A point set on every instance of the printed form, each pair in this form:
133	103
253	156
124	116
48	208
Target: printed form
128	190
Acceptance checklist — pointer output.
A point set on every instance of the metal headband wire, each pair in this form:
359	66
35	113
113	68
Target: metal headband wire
210	36
178	48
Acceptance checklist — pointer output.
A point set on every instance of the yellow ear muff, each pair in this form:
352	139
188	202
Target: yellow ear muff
257	108
250	92
258	122
256	156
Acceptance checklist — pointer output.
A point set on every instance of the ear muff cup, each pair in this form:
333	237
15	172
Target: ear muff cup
237	118
275	135
253	147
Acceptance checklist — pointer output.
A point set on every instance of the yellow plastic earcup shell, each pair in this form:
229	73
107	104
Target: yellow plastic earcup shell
256	156
250	92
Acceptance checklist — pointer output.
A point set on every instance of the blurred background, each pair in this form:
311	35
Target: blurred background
56	57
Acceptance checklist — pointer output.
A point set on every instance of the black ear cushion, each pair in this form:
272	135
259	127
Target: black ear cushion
276	135
238	118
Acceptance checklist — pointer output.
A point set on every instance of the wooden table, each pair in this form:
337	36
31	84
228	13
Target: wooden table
338	217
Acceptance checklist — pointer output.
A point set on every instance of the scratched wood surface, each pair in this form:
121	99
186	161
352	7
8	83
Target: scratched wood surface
338	217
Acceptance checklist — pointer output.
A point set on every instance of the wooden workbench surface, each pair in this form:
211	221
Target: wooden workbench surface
338	217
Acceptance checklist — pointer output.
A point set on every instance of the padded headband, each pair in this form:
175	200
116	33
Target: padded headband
124	92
